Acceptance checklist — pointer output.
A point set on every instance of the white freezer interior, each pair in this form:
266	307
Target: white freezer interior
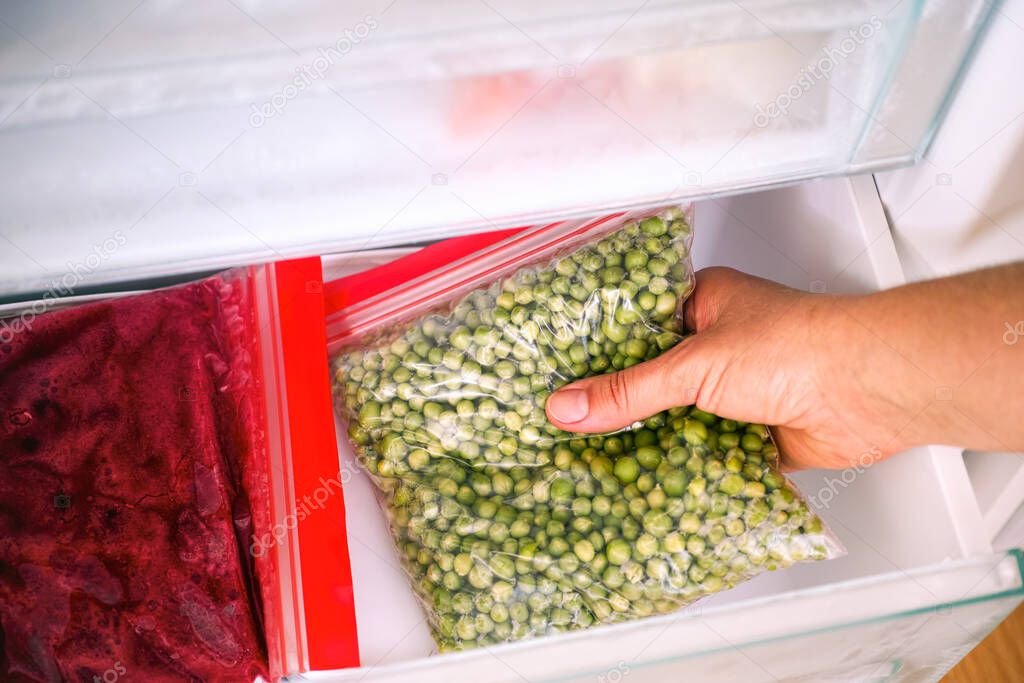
906	513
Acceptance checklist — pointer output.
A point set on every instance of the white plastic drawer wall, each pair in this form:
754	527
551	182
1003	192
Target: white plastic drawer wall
902	626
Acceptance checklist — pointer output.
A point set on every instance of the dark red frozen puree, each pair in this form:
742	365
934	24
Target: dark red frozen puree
124	428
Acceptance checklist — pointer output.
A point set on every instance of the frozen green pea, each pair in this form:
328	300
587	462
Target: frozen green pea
734	527
728	440
657	522
751	443
656	499
696	486
695	545
626	469
419	459
562	489
714	470
636	348
617	551
649	457
753	489
689	523
674	483
731	484
665	305
695	432
584	550
654	226
637	505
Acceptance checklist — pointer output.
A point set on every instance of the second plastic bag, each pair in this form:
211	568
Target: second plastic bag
511	527
157	453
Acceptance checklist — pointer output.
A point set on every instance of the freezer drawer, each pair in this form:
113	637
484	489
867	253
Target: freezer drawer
899	626
918	588
232	132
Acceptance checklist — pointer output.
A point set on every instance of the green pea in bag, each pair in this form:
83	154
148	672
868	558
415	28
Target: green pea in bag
510	527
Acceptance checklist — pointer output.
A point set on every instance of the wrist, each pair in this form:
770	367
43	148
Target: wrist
874	397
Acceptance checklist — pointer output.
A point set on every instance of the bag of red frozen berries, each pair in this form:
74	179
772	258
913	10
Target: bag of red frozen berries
153	450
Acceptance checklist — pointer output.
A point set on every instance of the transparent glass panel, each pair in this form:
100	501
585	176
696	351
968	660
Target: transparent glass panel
904	626
209	134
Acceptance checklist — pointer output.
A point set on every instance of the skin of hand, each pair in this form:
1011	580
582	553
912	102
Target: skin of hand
843	380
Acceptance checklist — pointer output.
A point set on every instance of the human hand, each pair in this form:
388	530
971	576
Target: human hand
761	352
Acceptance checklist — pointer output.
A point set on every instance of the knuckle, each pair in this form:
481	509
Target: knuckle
710	395
679	372
618	392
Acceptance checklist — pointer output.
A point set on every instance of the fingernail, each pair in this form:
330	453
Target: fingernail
568	405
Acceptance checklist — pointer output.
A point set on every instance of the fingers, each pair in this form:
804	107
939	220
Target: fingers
613	401
609	402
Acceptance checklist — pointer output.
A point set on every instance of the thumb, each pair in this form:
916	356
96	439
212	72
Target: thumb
609	402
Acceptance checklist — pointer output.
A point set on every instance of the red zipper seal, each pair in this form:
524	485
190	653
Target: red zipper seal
353	289
337	319
324	572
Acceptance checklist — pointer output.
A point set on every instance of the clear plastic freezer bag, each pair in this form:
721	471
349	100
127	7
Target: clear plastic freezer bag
510	527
